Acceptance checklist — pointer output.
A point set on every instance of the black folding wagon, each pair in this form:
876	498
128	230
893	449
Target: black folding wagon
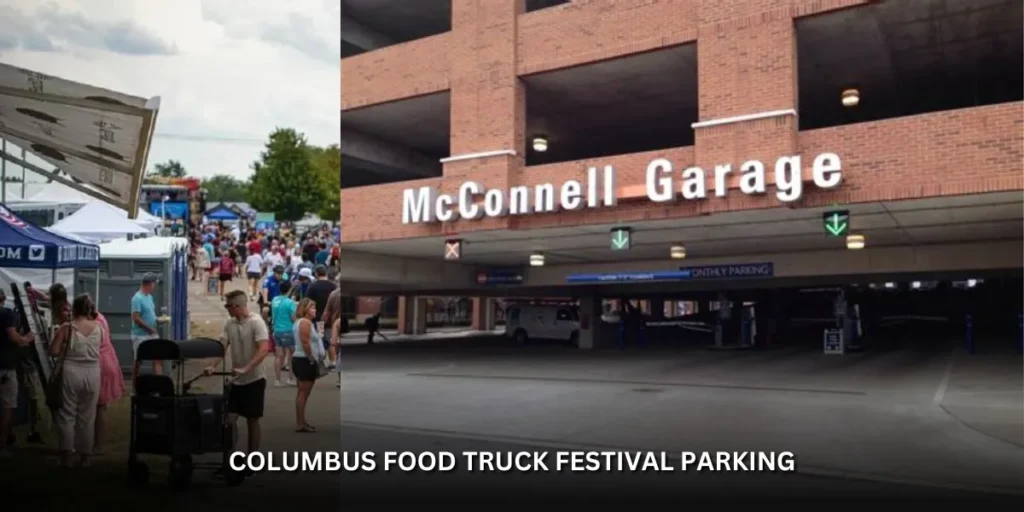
168	419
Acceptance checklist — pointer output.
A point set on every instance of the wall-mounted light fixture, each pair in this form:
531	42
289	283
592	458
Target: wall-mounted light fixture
536	260
540	143
677	252
855	241
851	98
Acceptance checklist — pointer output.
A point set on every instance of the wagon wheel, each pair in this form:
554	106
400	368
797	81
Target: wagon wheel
179	477
138	473
232	477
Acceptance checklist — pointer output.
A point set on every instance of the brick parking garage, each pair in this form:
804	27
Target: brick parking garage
920	102
815	206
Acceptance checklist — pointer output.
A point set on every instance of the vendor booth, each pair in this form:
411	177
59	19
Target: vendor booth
32	254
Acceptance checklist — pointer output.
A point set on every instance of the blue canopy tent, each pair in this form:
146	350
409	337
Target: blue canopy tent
26	246
221	212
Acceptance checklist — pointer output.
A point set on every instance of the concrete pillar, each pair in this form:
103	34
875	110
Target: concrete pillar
484	316
412	315
590	322
735	335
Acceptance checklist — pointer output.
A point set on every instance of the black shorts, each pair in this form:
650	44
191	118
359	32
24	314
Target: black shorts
303	369
247	400
225	277
254	275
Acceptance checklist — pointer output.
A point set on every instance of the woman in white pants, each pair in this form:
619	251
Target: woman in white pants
78	344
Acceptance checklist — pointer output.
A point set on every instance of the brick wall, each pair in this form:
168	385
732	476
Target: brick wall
396	72
747	56
590	30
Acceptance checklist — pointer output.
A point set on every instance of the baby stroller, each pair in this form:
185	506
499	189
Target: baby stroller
169	420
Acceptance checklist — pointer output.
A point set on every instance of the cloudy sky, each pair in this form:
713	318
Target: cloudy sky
227	71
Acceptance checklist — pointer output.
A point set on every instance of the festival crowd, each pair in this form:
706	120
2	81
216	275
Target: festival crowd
298	320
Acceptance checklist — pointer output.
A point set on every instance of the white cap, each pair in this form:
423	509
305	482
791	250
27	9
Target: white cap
307	273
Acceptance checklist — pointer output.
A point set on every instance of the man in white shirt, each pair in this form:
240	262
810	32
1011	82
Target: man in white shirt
272	259
247	344
254	272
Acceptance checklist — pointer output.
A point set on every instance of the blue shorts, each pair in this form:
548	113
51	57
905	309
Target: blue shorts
284	339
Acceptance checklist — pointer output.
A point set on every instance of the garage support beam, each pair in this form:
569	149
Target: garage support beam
388	155
590	322
484	314
412	315
359	35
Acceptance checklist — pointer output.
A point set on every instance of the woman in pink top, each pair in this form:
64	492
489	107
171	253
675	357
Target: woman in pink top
111	383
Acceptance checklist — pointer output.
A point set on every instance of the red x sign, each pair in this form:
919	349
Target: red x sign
453	249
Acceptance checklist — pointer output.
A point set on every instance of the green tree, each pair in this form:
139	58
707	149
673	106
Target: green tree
169	169
284	180
327	162
224	188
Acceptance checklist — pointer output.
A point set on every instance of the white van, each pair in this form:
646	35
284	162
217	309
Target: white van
543	322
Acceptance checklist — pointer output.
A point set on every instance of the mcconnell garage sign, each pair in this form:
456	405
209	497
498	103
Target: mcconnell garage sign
424	204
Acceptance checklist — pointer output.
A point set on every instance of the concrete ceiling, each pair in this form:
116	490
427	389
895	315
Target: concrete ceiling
356	172
908	57
401	20
535	5
582	110
348	49
926	221
421	123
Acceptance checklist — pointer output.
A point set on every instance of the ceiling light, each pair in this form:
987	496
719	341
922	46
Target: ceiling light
677	252
890	285
971	283
540	144
915	285
851	98
855	242
536	260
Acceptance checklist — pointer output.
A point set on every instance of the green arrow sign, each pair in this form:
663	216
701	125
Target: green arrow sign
837	223
622	239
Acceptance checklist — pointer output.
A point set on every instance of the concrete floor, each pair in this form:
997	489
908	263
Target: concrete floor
380	486
931	417
920	417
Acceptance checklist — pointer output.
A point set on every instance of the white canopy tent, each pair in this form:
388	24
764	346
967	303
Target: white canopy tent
57	193
99	222
69	236
145	219
54	192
